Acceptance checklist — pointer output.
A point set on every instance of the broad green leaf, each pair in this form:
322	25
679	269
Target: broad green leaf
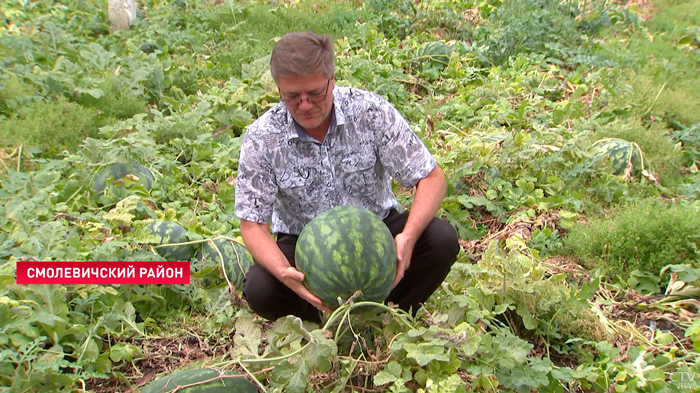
424	353
292	375
247	338
52	355
89	352
320	353
529	321
383	378
123	351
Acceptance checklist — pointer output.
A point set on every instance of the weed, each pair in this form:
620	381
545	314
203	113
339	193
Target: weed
539	27
645	235
545	241
663	59
58	124
14	93
117	103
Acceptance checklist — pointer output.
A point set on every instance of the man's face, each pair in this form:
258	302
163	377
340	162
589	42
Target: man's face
309	98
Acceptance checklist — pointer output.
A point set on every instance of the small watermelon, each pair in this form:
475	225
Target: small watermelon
229	383
119	171
626	157
231	256
169	232
434	53
347	249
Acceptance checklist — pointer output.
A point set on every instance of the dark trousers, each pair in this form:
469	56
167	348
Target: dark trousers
433	255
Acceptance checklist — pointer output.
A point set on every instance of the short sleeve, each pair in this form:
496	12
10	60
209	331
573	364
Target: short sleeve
400	150
255	186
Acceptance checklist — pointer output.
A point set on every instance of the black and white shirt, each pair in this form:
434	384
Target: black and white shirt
289	177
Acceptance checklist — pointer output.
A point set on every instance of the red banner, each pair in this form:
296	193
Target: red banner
36	272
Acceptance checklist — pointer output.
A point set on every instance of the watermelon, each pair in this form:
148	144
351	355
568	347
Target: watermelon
434	53
170	383
118	171
626	157
347	249
169	232
233	258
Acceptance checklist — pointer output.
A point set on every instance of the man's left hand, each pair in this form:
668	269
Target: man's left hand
404	250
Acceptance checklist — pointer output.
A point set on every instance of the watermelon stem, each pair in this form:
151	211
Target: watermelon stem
262	388
201	241
223	265
399	314
18	152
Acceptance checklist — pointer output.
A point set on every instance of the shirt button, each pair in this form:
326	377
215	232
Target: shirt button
329	184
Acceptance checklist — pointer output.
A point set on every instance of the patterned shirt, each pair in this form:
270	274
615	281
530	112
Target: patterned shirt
289	177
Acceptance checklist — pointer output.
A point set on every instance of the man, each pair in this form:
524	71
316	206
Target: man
324	146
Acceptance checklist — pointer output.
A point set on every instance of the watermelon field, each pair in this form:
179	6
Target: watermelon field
568	131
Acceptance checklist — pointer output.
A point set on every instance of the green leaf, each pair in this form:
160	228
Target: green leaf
383	378
320	352
123	351
467	339
529	320
644	283
424	353
48	319
247	338
52	355
292	375
693	331
91	352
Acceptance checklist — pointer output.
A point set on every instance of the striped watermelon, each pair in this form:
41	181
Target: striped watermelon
626	157
171	383
229	255
169	232
434	53
347	249
119	171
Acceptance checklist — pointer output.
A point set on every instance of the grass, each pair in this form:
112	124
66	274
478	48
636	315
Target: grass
645	235
53	124
663	59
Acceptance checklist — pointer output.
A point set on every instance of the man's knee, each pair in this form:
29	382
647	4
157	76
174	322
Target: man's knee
442	236
259	290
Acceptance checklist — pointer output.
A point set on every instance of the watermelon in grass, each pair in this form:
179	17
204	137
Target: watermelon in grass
169	233
230	256
138	174
205	380
434	53
344	250
625	157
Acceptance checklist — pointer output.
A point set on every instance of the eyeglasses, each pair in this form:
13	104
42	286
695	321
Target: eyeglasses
312	98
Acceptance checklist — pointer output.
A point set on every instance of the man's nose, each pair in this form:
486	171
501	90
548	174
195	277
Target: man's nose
305	103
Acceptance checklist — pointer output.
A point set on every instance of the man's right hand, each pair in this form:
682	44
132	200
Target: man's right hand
293	278
265	251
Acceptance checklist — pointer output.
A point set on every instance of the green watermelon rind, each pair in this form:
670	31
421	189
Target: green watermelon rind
236	259
624	156
118	171
170	383
169	232
331	250
435	52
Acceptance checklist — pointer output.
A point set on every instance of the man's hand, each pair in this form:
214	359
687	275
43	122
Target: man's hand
293	278
429	193
265	251
404	250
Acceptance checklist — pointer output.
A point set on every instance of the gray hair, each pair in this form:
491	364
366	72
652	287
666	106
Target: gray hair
302	53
